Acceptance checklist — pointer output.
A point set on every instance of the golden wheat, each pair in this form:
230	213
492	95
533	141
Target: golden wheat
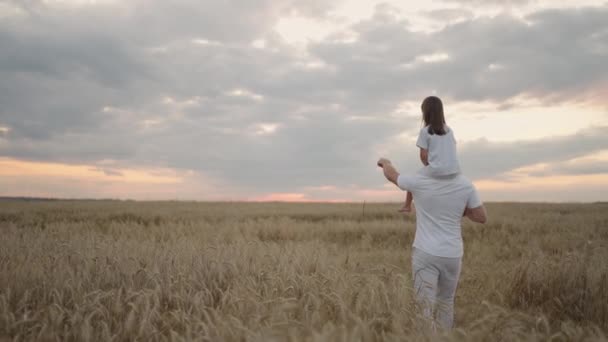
173	271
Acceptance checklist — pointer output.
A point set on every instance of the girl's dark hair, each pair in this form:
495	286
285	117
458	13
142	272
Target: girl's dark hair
432	115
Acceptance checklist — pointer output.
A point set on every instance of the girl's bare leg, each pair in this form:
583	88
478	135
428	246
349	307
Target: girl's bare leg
407	206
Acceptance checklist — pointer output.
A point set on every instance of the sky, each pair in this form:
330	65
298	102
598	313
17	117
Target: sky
295	100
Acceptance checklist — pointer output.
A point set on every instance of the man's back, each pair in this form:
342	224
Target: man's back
440	204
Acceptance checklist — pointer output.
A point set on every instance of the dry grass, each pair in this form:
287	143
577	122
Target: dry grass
121	271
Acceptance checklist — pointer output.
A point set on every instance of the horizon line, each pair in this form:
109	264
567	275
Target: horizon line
84	199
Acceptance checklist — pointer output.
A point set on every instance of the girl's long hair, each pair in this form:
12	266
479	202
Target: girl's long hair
432	115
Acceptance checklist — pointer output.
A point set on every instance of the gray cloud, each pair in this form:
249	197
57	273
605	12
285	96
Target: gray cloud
450	14
577	167
482	158
490	2
107	171
552	54
180	85
560	52
144	22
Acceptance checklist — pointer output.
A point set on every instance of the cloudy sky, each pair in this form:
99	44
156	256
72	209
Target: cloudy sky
297	99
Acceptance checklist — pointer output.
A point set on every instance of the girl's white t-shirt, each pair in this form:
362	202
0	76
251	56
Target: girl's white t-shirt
442	156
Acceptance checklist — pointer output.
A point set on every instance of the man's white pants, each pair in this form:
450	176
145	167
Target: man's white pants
435	282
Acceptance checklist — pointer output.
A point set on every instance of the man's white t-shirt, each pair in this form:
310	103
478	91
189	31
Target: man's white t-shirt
443	158
440	204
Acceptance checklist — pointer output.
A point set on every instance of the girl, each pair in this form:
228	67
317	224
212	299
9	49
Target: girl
437	145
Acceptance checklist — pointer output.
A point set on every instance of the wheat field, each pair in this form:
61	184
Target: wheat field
181	271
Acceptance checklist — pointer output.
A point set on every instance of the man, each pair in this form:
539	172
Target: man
441	203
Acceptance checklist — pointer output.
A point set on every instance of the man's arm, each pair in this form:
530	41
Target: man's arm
477	214
474	208
389	171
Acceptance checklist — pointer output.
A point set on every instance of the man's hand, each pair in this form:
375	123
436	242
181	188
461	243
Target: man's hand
383	161
476	214
389	171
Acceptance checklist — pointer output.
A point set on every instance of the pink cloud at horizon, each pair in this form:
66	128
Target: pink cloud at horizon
291	197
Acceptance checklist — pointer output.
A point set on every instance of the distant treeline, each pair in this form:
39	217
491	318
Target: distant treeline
48	199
